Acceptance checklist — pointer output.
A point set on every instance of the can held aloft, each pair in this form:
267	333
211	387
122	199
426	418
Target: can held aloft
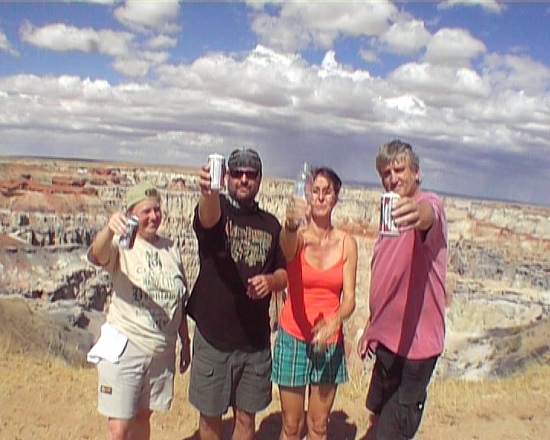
387	223
126	241
217	171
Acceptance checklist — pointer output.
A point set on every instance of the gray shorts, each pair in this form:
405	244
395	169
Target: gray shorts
223	379
136	381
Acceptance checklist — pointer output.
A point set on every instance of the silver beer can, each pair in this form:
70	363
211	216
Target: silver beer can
217	171
387	223
126	241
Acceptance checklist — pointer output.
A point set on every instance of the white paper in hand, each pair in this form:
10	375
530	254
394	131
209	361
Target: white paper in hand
109	346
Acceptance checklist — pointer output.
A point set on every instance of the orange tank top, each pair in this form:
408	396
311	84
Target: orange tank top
312	294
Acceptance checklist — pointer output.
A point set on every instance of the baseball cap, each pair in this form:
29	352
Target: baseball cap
245	158
140	192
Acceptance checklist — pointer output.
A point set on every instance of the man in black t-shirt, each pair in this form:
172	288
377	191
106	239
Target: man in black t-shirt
241	264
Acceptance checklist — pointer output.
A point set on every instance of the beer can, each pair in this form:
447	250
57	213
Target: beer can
217	171
126	241
387	223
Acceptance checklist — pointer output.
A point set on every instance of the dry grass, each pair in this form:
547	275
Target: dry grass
43	398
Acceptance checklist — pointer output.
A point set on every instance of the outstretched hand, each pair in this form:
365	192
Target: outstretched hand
298	210
117	223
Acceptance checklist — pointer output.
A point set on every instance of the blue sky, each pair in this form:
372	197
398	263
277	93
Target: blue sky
466	82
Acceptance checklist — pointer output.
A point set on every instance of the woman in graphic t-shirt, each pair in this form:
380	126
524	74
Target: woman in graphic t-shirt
135	354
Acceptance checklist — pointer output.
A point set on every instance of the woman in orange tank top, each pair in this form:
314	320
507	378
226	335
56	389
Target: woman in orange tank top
309	349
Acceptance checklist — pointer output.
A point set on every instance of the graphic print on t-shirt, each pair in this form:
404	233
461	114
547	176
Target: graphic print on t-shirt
163	291
247	244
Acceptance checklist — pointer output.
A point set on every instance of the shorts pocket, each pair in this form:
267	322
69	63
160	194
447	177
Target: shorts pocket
260	376
263	368
201	369
410	415
412	394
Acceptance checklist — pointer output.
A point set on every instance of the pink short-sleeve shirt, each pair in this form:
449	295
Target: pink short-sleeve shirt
407	291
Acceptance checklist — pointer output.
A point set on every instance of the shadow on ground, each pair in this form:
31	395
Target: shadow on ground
270	428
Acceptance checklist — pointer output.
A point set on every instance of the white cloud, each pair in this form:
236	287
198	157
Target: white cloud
130	60
61	37
300	24
512	72
453	47
465	121
149	15
407	104
369	56
139	64
441	85
404	37
101	2
6	46
488	5
161	42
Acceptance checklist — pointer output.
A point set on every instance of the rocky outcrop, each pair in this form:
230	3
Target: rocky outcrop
499	253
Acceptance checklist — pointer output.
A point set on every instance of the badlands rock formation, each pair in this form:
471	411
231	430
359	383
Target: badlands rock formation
499	254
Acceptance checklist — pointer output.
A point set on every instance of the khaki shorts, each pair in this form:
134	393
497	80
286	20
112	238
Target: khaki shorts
136	381
222	379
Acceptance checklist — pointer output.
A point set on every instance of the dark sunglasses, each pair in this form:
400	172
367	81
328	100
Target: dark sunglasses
238	174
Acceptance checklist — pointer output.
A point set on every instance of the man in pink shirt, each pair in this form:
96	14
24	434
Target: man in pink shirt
406	327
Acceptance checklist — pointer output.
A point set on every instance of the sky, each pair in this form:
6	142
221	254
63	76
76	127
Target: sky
465	82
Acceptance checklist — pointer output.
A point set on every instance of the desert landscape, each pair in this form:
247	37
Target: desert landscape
492	381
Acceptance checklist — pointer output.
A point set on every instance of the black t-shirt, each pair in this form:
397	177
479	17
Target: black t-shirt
242	244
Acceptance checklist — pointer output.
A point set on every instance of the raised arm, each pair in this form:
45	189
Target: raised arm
410	214
291	238
100	250
209	200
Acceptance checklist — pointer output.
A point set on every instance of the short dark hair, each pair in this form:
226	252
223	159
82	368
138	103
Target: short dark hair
330	174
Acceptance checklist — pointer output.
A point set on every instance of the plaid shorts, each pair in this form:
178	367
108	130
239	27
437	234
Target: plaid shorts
297	364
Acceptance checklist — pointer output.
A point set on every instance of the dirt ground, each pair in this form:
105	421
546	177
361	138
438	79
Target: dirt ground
43	397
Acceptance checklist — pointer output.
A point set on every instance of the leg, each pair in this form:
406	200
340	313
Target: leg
141	425
251	390
372	427
321	398
119	429
292	408
209	386
401	416
119	388
210	428
245	425
384	381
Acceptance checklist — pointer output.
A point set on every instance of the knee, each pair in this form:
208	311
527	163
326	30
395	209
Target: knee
317	424
119	429
245	420
210	424
292	425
